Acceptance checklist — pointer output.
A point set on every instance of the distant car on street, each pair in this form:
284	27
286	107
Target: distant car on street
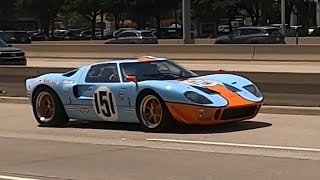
10	55
22	37
134	37
253	35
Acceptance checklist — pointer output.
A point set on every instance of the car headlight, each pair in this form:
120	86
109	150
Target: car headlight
197	98
254	90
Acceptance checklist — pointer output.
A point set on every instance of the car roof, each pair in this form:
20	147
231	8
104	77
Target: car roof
134	60
137	31
258	27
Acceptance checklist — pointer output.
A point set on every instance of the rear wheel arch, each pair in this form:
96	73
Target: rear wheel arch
43	86
60	117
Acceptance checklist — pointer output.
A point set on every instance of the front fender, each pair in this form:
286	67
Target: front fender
171	92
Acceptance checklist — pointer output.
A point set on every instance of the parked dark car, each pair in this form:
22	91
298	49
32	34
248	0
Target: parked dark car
134	37
253	35
10	55
15	37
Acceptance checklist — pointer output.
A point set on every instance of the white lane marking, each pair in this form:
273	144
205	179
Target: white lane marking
237	145
15	178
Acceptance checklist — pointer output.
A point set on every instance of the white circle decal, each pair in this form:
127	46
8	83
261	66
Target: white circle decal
201	83
105	104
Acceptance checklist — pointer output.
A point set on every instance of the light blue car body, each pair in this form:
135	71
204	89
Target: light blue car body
124	94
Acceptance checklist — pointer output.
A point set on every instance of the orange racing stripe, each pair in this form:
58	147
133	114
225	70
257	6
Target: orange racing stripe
233	98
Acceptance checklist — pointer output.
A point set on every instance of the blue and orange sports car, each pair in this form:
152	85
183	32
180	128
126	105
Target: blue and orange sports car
155	92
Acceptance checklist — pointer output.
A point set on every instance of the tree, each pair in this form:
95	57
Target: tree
87	8
252	7
115	8
299	8
215	9
45	11
142	10
7	8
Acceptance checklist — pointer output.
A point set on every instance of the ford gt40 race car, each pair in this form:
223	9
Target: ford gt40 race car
155	92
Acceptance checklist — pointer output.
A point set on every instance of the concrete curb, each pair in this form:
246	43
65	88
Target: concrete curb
211	59
291	110
14	100
315	111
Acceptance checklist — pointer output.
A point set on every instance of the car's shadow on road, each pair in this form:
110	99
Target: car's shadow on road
181	129
224	128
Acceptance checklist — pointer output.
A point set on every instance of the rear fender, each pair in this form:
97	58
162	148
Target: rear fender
52	81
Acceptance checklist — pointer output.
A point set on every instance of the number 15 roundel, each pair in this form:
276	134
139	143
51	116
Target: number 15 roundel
105	104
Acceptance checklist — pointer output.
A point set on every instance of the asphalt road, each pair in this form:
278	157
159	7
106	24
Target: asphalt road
271	146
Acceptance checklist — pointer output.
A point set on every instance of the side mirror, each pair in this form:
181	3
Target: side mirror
131	78
9	45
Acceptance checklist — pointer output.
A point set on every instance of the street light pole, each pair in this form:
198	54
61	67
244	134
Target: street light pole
283	16
186	11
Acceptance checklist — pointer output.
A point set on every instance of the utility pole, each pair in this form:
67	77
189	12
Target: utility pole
283	17
186	12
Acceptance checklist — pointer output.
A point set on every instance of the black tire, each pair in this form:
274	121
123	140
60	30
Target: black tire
166	123
58	118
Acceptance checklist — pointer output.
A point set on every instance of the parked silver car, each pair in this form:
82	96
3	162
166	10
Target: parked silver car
134	37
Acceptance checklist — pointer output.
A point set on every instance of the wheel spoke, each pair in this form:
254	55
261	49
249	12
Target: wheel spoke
155	119
150	118
151	111
45	105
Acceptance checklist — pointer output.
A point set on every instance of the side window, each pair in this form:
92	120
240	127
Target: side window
103	73
124	34
236	33
255	31
127	34
245	32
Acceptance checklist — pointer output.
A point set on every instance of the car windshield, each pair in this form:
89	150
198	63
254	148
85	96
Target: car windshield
156	70
3	44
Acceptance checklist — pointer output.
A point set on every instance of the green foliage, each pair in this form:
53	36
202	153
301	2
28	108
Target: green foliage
141	10
7	8
41	8
87	8
209	8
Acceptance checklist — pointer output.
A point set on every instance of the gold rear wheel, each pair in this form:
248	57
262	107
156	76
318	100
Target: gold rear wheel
45	106
48	108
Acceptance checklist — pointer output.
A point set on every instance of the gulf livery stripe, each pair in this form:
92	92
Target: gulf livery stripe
233	98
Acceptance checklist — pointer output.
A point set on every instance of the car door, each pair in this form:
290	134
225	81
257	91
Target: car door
96	95
244	36
127	38
234	37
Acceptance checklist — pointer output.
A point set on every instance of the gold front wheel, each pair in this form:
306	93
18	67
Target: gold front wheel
151	111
